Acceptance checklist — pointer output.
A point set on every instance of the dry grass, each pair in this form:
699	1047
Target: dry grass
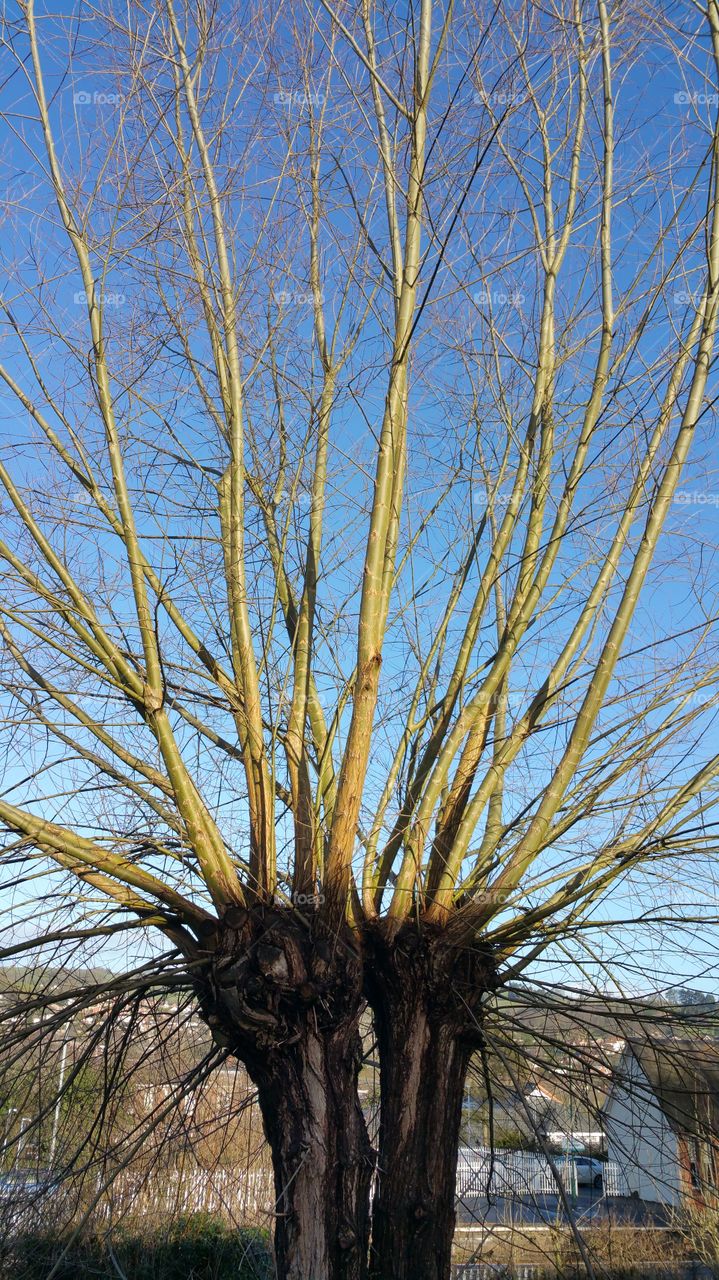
616	1251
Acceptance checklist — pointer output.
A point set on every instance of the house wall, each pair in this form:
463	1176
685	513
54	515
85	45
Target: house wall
640	1139
698	1171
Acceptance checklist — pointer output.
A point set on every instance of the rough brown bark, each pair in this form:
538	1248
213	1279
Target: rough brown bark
287	999
426	997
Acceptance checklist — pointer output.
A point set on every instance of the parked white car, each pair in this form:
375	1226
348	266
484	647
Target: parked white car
590	1172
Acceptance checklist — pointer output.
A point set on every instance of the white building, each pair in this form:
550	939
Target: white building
661	1120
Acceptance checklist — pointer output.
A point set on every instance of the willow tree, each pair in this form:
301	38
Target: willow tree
352	362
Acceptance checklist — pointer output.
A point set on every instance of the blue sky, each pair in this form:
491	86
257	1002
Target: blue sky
491	266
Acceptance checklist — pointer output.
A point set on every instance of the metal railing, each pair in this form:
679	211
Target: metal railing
481	1172
496	1271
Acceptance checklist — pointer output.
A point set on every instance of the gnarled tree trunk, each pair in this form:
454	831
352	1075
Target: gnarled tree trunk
426	997
287	999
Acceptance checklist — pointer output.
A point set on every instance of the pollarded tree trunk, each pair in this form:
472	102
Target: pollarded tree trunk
426	997
321	1156
287	999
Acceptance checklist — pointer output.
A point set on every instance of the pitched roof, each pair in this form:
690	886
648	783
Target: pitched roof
684	1076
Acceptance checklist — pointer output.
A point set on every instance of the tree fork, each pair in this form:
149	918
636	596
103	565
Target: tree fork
286	997
426	995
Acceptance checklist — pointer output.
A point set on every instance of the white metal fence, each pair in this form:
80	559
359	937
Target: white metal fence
529	1271
495	1271
481	1172
245	1195
615	1183
248	1195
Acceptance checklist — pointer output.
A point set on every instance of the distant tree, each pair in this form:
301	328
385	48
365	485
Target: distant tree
357	631
691	996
